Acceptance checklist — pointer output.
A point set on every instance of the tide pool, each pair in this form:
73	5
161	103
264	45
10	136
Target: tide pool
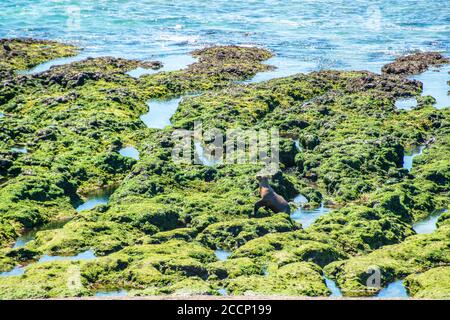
308	216
406	104
86	255
435	84
335	291
222	255
394	290
428	225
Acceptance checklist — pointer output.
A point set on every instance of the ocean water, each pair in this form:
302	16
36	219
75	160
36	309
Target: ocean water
306	35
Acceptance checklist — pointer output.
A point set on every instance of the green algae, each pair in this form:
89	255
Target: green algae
156	234
295	279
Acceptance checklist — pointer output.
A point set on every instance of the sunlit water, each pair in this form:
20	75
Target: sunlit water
409	157
435	84
307	216
19	150
112	294
314	34
394	290
17	271
427	225
86	255
222	255
95	199
205	158
130	152
222	291
170	63
160	112
406	104
31	234
335	291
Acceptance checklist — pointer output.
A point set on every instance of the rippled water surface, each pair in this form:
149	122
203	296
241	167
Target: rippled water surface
130	152
309	34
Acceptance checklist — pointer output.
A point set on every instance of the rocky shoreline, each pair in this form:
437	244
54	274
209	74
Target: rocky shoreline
158	232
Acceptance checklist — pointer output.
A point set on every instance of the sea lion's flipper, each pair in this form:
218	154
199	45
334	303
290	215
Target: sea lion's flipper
258	205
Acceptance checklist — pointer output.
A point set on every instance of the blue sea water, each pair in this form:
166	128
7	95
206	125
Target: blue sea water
306	35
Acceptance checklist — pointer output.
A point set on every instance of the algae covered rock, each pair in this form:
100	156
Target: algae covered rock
295	279
432	284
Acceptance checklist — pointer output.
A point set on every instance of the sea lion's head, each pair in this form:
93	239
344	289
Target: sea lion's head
262	177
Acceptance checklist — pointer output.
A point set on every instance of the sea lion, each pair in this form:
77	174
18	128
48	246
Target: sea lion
269	198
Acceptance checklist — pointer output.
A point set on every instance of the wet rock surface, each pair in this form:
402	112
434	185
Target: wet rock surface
415	63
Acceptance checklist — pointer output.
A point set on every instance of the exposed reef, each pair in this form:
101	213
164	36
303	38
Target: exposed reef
343	143
415	63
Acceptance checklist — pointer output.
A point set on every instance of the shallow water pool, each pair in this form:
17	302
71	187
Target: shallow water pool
19	150
31	234
222	255
406	104
112	294
427	225
170	63
394	290
17	271
435	84
95	199
308	216
335	291
86	255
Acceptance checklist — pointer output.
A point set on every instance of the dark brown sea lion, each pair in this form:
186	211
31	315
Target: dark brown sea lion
269	198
